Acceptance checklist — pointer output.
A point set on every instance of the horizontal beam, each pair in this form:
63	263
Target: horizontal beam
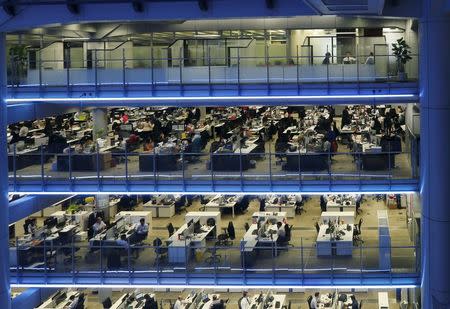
207	187
248	280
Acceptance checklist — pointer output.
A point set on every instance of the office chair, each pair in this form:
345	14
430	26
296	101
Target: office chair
231	231
288	230
180	205
170	229
246	226
107	303
81	300
299	208
309	300
213	258
357	240
161	252
317	227
223	240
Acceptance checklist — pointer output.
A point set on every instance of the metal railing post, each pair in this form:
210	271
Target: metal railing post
209	69
73	259
299	170
240	168
126	166
361	263
181	65
182	170
67	74
211	156
152	68
95	72
298	73
40	71
98	166
70	166
270	165
123	69
266	59
238	71
42	166
15	167
154	168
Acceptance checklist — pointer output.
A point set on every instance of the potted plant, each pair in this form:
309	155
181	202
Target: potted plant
401	51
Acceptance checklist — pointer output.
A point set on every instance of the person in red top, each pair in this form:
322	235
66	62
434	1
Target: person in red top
124	118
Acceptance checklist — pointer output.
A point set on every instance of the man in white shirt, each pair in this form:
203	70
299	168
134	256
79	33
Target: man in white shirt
370	59
348	59
74	302
315	301
141	230
98	226
244	302
178	303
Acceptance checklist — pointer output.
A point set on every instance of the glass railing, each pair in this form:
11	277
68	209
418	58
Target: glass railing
42	167
100	260
237	70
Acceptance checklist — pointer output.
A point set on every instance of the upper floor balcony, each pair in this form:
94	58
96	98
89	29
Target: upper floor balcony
252	66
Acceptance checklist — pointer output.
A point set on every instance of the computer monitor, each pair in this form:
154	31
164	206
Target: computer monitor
197	226
50	222
120	223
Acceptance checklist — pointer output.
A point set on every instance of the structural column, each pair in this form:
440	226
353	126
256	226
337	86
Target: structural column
5	297
100	129
434	35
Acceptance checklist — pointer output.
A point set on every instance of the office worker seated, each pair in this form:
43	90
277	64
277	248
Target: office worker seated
149	145
150	302
99	226
244	302
315	301
216	303
197	143
355	304
31	228
141	230
122	241
348	59
281	232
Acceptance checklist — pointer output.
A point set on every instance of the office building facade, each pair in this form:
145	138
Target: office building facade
244	66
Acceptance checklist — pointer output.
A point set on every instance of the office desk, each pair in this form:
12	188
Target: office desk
108	239
287	207
326	246
231	161
216	203
326	301
50	303
179	247
160	209
26	158
347	216
83	162
148	162
134	217
335	203
80	217
124	303
306	162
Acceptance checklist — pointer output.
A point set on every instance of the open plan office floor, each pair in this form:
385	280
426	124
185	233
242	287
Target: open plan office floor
403	259
342	164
